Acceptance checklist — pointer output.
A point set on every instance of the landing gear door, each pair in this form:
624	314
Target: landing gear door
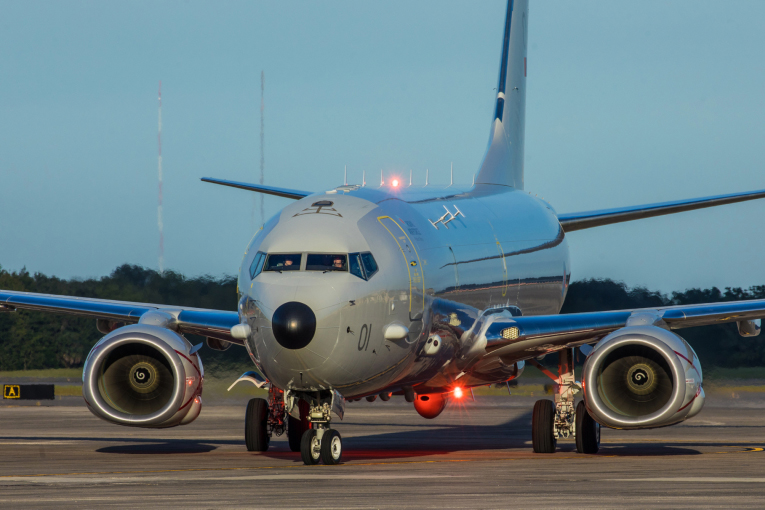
412	260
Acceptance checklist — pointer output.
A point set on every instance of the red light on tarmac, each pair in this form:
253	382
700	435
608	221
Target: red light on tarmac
458	392
395	183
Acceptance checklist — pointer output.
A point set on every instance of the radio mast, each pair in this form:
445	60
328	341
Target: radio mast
160	224
262	157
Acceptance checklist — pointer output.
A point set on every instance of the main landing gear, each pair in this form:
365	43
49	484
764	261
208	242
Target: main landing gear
263	419
310	433
553	420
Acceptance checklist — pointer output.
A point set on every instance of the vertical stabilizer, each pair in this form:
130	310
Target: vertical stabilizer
503	162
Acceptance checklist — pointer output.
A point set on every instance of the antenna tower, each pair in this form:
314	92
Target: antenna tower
160	223
262	157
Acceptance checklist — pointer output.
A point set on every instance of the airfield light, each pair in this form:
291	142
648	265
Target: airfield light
458	392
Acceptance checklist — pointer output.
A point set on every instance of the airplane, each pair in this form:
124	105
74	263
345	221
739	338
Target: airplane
372	291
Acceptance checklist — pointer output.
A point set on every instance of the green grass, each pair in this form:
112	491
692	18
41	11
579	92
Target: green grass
734	373
48	373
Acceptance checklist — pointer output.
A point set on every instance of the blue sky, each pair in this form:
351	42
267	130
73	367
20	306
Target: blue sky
628	103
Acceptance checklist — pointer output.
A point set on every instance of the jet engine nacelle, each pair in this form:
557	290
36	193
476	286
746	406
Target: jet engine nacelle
143	376
642	377
430	406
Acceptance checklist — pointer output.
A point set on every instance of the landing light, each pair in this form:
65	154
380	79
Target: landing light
458	392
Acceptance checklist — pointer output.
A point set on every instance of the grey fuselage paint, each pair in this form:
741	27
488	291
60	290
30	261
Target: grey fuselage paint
494	247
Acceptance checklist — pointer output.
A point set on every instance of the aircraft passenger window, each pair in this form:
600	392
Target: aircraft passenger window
354	263
257	264
283	262
370	266
326	262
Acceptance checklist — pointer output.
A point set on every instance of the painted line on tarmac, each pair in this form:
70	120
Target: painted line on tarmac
703	479
34	443
264	477
354	464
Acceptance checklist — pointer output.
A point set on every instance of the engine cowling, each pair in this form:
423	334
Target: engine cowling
642	377
143	376
430	406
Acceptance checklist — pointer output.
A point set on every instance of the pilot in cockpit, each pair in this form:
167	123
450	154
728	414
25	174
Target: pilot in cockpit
339	264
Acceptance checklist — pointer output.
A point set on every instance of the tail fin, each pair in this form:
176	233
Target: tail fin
503	162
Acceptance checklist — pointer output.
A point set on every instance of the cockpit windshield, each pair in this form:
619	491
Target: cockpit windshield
326	262
283	262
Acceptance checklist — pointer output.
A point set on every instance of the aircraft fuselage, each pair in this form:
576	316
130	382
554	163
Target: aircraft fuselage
443	256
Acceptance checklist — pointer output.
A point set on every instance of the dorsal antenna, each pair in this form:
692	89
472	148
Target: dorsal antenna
345	177
381	178
426	177
451	178
363	178
410	176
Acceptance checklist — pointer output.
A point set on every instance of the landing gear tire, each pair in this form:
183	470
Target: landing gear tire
543	427
587	431
297	427
331	447
310	448
256	425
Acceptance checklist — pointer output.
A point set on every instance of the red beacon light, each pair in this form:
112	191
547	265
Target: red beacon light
394	182
458	392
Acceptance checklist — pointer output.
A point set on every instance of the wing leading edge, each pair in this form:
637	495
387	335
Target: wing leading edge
260	188
527	337
197	321
590	219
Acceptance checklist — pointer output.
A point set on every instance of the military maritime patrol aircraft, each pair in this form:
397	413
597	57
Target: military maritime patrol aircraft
366	292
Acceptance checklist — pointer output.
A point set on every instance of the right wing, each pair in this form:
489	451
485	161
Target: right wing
198	321
590	219
260	188
527	337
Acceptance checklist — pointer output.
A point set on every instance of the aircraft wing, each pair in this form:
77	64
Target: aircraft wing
197	321
589	219
260	188
528	337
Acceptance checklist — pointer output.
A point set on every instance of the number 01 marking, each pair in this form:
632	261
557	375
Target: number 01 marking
364	337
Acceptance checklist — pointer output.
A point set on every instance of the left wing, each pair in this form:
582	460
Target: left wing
590	219
527	337
260	188
198	321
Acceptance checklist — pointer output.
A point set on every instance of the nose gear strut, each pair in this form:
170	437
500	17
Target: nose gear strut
320	442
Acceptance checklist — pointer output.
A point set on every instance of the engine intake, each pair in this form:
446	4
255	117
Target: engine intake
642	377
143	376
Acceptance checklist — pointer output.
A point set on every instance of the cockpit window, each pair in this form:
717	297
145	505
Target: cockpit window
370	265
326	262
257	264
362	265
354	263
283	262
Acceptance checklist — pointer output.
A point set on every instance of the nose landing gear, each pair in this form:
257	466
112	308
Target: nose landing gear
321	442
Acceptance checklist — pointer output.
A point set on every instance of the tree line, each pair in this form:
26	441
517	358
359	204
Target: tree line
36	340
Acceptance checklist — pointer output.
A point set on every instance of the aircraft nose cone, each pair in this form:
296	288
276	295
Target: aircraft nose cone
294	325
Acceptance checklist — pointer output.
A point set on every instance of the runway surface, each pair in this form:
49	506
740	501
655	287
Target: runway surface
475	455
